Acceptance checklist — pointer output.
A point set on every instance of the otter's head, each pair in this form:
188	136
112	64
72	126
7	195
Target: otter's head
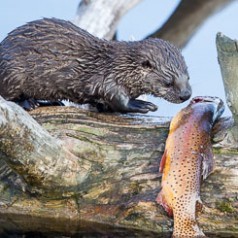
164	71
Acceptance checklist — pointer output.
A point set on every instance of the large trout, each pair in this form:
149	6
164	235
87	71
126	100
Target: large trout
188	159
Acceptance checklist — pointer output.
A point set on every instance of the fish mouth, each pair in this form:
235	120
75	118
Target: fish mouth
218	104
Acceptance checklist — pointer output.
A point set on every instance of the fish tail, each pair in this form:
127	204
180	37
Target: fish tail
161	199
185	225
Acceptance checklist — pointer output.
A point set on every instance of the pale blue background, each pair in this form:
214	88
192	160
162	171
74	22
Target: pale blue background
200	54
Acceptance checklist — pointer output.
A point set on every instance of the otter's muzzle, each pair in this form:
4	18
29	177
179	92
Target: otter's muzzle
185	95
183	87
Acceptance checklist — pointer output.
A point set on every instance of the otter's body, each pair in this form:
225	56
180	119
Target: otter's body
52	59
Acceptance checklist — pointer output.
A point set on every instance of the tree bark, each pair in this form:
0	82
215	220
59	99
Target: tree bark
186	20
228	59
101	17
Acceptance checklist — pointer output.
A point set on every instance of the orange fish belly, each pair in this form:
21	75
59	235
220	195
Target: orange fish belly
187	159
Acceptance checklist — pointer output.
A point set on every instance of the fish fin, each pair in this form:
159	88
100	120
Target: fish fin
199	205
207	162
163	202
162	161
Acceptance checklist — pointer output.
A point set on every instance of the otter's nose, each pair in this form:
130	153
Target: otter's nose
185	95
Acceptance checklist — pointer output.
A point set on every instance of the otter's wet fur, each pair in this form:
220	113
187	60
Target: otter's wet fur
52	59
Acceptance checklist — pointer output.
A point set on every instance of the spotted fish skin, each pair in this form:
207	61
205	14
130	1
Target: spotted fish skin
188	159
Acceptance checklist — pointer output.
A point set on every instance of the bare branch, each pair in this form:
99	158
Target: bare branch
187	18
101	17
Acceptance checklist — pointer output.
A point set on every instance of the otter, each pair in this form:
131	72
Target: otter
54	60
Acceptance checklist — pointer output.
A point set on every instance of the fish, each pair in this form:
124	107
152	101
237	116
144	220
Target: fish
187	160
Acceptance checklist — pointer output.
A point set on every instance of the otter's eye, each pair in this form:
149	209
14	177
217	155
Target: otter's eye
146	64
168	84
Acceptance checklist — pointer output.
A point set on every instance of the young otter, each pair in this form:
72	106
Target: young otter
52	59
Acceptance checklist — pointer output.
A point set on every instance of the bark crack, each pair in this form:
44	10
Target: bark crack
236	46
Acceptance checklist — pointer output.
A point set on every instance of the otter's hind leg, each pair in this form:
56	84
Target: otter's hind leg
31	103
28	104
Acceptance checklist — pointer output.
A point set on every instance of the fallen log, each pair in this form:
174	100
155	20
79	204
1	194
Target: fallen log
120	156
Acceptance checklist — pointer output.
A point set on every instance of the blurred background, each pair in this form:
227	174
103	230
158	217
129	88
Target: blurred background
200	53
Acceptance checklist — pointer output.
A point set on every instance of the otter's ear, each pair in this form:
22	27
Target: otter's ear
146	64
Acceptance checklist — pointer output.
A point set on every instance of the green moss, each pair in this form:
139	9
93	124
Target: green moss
225	206
225	151
135	188
133	216
93	131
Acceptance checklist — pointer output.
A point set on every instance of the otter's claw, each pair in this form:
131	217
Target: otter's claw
135	105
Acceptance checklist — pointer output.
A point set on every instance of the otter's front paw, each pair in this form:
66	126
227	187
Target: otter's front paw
135	105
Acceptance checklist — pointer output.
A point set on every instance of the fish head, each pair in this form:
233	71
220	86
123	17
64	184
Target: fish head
214	104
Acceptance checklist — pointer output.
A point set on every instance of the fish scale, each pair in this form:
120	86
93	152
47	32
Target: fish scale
187	159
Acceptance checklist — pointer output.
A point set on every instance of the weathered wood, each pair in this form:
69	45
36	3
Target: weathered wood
121	155
101	17
228	59
41	160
